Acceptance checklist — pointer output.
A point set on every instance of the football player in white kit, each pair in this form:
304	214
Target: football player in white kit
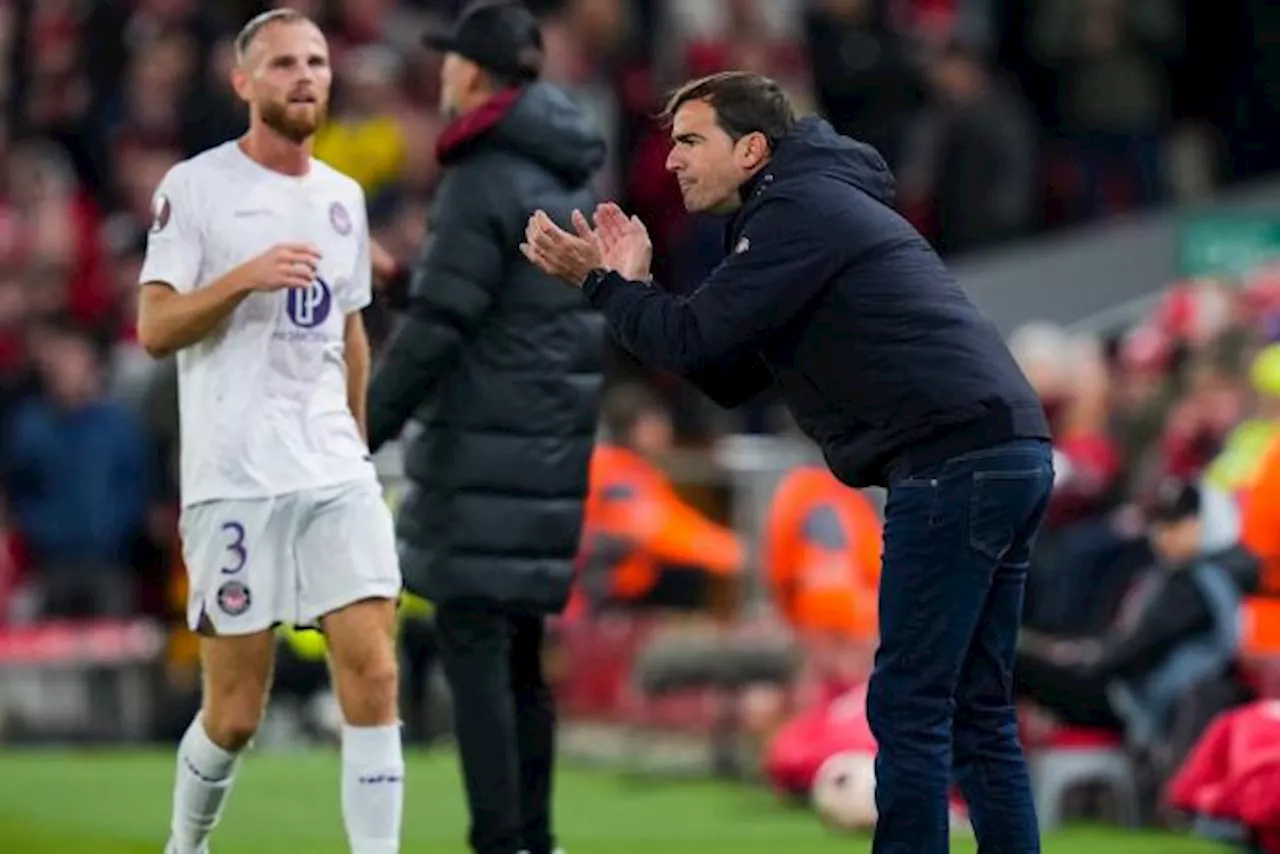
256	269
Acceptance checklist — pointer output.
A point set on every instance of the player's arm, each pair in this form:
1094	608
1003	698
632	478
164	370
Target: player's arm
356	354
172	312
784	260
454	283
354	298
170	320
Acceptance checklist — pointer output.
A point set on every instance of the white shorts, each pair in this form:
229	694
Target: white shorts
255	563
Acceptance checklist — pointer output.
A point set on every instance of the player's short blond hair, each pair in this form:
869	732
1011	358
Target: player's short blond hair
249	32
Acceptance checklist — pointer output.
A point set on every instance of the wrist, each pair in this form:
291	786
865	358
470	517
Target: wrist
595	277
237	285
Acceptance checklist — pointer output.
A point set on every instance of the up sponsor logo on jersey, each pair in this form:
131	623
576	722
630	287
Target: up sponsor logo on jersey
306	312
310	306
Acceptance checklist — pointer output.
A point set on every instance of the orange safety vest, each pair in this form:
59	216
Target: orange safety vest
635	524
1260	518
823	545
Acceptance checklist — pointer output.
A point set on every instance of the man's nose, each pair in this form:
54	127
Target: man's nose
674	163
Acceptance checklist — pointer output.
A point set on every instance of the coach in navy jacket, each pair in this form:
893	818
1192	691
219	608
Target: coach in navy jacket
829	294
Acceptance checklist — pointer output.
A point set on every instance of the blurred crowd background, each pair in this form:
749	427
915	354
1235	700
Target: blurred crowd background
1008	122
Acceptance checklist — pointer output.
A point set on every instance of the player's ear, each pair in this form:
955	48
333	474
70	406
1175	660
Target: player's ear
240	82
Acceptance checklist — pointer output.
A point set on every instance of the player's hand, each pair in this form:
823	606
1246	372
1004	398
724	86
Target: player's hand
568	257
285	265
624	242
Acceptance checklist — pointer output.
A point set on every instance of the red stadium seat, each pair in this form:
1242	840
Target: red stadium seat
1083	738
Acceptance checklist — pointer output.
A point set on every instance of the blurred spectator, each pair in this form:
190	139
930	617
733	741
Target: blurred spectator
1178	629
363	137
139	166
78	481
1237	471
643	547
1071	376
1110	61
213	113
971	168
1212	403
1088	462
151	102
1144	390
1080	540
822	545
865	78
132	369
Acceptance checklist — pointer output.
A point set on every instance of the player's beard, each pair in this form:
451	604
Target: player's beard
275	115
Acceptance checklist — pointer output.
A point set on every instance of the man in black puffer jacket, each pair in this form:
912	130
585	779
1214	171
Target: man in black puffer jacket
501	367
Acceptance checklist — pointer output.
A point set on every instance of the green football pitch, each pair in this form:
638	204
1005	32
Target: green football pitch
116	802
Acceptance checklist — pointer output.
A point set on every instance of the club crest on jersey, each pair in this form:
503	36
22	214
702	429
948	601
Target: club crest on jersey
340	219
309	307
234	598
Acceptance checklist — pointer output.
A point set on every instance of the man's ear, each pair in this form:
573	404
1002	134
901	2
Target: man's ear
240	82
753	149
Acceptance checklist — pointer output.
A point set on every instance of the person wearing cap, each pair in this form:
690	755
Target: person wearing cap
501	368
1178	630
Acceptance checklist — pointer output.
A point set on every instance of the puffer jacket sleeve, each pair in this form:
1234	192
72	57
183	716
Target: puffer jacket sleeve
455	280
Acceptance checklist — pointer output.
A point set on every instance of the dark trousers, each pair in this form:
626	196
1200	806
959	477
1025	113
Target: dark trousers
505	724
1076	696
957	546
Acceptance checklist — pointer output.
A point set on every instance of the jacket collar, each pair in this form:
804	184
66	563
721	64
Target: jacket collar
751	189
459	136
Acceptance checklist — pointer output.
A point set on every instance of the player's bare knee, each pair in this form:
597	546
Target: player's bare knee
362	653
232	711
368	688
231	725
237	671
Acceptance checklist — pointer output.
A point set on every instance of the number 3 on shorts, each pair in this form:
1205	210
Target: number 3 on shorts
235	548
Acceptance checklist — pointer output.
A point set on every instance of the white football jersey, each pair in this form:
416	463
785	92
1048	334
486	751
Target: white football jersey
263	400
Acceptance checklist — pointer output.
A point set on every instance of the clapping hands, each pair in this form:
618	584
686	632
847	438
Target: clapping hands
624	242
617	242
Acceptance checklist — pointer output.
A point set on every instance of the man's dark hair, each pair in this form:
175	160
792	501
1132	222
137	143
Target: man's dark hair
744	103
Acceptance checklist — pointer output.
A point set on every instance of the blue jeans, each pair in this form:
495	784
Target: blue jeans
957	545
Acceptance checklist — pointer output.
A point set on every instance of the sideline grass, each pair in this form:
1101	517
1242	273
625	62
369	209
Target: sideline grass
117	802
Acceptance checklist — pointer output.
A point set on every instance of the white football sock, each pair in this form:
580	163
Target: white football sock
205	773
372	788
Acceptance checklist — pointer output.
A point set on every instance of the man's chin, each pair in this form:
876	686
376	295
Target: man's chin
296	132
716	207
693	205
